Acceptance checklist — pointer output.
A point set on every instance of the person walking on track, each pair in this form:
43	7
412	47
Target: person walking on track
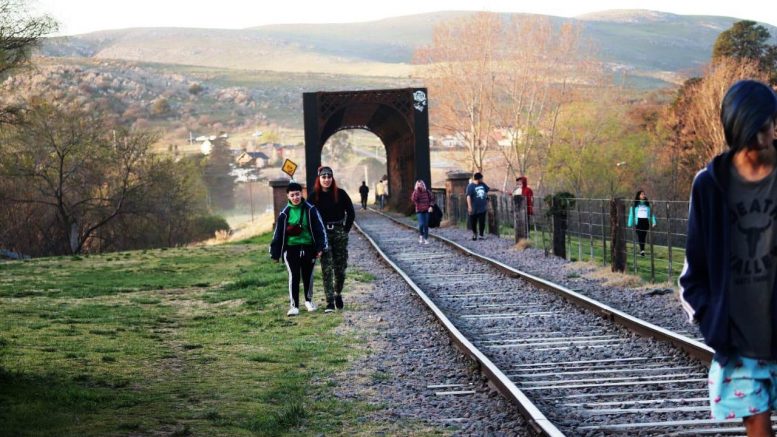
337	212
423	200
299	239
363	191
477	205
641	217
728	281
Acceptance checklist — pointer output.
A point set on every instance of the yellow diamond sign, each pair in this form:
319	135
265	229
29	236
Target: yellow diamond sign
289	167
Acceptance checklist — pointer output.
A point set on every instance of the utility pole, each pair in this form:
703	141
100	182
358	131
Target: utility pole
251	196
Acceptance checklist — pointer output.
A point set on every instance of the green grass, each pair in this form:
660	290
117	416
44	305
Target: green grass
587	249
173	342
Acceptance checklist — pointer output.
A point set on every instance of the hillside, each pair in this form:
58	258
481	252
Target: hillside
177	100
644	43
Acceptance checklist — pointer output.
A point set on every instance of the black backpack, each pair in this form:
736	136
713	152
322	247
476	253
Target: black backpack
435	217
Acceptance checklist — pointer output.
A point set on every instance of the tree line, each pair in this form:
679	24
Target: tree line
75	180
571	124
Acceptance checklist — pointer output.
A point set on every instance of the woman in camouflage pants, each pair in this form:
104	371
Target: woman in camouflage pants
337	213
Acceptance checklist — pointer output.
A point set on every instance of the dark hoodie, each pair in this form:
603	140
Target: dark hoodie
706	272
315	227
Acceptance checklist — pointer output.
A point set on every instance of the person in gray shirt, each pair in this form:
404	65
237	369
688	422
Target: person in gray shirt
728	279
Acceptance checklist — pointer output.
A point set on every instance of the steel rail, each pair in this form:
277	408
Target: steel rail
496	377
694	348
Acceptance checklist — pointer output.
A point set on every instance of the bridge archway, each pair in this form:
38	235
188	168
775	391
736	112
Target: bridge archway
399	117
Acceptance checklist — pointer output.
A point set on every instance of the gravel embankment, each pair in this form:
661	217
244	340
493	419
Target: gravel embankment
661	309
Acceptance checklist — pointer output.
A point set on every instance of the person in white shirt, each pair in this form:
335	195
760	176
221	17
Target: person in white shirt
641	217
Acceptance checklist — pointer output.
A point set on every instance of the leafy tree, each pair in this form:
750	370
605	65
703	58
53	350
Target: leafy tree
747	40
20	32
195	89
598	151
160	107
337	148
221	186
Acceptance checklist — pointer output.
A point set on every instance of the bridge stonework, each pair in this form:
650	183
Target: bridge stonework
399	117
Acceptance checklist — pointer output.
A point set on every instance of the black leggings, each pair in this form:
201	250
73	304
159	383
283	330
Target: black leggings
300	261
642	227
478	221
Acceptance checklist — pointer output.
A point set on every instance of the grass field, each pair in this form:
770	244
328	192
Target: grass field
585	249
189	341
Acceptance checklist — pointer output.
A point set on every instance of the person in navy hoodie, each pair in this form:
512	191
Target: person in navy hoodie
728	281
299	239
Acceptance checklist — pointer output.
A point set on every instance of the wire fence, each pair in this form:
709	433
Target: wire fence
588	229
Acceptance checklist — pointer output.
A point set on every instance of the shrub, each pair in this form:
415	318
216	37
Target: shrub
205	227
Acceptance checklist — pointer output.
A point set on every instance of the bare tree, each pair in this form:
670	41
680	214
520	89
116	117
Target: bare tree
540	64
461	64
489	75
20	33
73	166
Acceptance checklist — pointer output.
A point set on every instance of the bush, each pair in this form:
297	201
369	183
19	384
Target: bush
559	203
205	227
195	89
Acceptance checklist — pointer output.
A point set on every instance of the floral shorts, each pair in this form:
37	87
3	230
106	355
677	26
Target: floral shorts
743	387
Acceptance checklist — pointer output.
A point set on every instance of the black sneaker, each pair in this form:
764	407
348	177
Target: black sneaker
339	301
330	307
474	237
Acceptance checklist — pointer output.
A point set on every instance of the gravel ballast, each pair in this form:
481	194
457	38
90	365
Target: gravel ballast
407	352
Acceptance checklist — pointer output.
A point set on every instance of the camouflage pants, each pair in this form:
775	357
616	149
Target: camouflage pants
334	262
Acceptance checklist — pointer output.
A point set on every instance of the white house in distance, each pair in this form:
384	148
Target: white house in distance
206	145
252	159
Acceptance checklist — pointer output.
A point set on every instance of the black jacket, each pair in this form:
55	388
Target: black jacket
315	226
331	212
704	280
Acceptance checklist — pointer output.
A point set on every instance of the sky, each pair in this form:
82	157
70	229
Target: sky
82	16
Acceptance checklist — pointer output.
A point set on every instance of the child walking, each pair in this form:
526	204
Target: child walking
299	239
728	280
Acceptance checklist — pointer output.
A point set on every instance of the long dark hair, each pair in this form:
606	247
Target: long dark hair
747	106
317	189
637	199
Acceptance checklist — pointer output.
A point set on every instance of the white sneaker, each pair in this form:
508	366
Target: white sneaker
310	306
426	241
420	239
293	311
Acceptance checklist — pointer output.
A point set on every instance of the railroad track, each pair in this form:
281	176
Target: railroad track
573	366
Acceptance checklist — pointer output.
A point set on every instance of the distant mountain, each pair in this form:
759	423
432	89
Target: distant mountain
657	45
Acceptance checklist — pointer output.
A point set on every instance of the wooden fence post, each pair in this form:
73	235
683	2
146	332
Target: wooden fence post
520	218
559	228
492	215
604	234
617	235
669	242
